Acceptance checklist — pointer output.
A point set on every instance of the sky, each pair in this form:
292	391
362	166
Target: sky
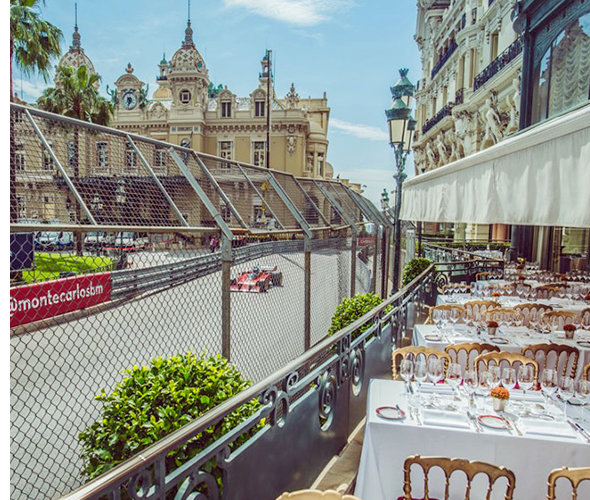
351	49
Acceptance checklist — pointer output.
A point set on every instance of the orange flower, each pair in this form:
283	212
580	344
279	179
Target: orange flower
495	294
500	393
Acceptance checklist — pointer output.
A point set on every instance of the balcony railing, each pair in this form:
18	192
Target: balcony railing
446	111
498	64
315	402
445	57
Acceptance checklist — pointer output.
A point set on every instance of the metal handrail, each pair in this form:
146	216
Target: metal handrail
473	256
118	474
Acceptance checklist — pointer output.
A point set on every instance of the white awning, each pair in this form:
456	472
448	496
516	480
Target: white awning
539	177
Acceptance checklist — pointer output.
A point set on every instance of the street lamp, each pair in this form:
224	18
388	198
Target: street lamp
384	201
401	129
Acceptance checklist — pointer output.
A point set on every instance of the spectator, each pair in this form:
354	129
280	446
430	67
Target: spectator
213	244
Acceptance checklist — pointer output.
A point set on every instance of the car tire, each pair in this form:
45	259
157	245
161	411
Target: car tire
277	279
233	281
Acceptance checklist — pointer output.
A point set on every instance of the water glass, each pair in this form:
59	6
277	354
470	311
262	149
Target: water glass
407	372
526	378
454	376
583	391
435	371
483	386
420	372
509	378
494	374
470	382
548	385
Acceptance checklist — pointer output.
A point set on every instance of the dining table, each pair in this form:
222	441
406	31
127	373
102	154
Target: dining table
529	438
507	338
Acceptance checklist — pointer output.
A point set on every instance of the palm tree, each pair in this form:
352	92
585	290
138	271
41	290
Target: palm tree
33	41
76	95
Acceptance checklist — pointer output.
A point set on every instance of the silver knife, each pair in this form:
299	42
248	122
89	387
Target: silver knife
577	427
478	427
512	426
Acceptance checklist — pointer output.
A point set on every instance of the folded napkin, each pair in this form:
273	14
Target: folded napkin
547	428
427	388
440	418
514	330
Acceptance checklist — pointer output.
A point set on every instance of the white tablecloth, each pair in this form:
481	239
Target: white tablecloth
518	337
388	443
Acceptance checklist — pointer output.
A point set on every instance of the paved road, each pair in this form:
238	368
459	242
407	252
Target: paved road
56	372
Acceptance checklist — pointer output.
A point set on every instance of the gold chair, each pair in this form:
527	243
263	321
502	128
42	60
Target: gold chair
414	352
558	318
475	307
585	315
574	475
503	314
444	311
532	311
548	291
454	350
511	358
586	372
484	276
572	355
451	465
316	495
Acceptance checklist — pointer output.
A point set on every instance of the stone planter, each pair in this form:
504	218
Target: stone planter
499	404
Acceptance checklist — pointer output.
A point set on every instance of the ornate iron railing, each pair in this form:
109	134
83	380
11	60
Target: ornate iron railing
442	113
498	64
444	58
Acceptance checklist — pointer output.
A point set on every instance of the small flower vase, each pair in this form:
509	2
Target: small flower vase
492	330
499	404
569	334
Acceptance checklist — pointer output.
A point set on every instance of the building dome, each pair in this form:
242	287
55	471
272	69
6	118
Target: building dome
76	57
163	93
316	132
187	57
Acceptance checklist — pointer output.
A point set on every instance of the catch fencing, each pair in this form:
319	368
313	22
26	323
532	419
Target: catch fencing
124	248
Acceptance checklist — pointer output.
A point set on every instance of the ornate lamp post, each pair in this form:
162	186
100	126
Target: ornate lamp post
401	129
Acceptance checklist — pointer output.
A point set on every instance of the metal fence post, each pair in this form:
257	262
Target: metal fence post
307	290
384	262
375	259
353	262
226	261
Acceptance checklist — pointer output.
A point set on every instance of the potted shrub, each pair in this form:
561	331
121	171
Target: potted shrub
414	268
153	401
569	330
351	309
500	397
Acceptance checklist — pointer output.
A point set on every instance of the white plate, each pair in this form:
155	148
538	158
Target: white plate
390	413
583	343
433	337
498	340
493	421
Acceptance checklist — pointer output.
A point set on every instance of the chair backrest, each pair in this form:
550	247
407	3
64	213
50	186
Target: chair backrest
511	358
502	314
414	352
566	356
532	311
316	495
574	475
558	318
444	311
472	350
586	372
451	465
585	314
476	307
548	291
484	275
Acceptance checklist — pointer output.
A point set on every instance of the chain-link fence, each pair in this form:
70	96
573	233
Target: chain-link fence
124	249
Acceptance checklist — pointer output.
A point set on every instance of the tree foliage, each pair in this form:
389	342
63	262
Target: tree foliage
76	96
33	41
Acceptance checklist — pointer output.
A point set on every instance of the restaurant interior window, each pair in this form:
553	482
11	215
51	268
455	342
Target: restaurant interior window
321	164
71	150
225	109
47	159
130	156
259	108
561	81
159	157
19	157
225	151
102	154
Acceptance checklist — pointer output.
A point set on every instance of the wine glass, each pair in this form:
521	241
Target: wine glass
548	385
509	378
454	376
566	392
483	386
470	384
435	371
494	373
583	391
407	372
526	379
420	372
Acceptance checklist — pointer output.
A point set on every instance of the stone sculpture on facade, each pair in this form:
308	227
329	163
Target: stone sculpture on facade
513	101
450	141
492	122
431	156
443	153
463	122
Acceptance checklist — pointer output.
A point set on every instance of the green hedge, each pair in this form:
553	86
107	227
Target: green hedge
153	401
48	266
414	268
351	309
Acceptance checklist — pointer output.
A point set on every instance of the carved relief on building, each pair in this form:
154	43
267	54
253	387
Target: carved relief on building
513	102
291	144
493	121
292	98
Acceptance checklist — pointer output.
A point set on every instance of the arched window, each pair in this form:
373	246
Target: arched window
561	80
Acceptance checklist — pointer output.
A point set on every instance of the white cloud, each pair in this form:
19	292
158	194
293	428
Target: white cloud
31	91
358	130
296	12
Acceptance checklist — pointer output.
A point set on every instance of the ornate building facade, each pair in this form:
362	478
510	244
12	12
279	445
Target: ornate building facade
468	96
187	109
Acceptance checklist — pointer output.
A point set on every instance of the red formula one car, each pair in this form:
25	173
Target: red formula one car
258	280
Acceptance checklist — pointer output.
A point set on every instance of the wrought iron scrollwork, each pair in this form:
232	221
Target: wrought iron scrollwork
275	398
441	280
328	386
186	491
140	485
357	363
344	358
